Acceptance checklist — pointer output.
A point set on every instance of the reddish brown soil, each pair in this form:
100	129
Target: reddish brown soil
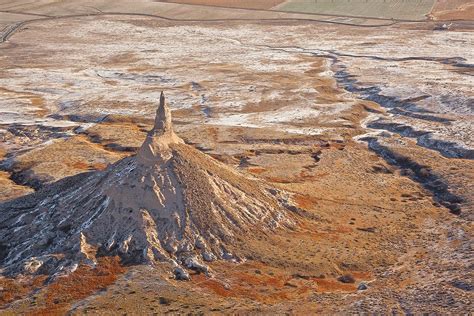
256	170
78	285
304	201
12	290
279	180
261	288
331	285
269	285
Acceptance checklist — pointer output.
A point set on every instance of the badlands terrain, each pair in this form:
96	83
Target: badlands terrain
309	157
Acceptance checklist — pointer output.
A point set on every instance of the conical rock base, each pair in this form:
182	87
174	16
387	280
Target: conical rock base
169	203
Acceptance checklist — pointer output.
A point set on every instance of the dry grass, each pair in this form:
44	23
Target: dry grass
453	10
80	284
262	106
12	290
9	189
66	158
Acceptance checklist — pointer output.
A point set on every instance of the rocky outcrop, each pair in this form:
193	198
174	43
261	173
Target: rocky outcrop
169	203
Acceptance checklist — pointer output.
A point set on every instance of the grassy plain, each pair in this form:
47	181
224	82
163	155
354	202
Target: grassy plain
397	9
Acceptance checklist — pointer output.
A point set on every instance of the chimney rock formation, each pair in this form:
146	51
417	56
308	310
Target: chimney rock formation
156	146
169	203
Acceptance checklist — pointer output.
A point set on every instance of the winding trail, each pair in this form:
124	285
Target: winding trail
10	30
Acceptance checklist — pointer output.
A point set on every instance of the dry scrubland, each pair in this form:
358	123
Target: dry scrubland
369	130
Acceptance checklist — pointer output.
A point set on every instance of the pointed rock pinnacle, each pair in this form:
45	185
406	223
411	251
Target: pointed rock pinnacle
155	148
163	117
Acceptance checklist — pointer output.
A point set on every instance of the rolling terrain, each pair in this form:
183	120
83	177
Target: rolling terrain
336	151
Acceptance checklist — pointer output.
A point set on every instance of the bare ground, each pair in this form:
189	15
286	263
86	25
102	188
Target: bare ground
284	113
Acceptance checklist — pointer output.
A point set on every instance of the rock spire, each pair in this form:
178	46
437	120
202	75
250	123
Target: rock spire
158	139
163	122
170	204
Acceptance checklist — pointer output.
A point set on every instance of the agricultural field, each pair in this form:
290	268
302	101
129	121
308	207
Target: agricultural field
244	4
196	10
396	9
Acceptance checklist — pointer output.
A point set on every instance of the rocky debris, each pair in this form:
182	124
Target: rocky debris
367	229
168	203
443	27
209	257
301	276
465	286
290	284
194	264
362	286
164	300
181	274
347	278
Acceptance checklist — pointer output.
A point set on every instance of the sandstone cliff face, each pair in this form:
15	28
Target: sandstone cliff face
170	203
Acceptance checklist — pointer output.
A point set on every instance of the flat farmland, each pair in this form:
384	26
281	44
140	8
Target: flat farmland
243	4
397	9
